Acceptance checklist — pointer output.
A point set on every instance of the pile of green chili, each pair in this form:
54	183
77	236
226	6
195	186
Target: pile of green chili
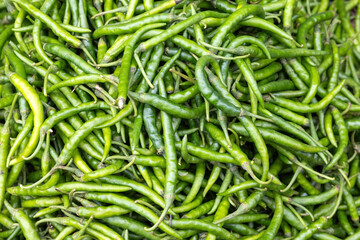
179	119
